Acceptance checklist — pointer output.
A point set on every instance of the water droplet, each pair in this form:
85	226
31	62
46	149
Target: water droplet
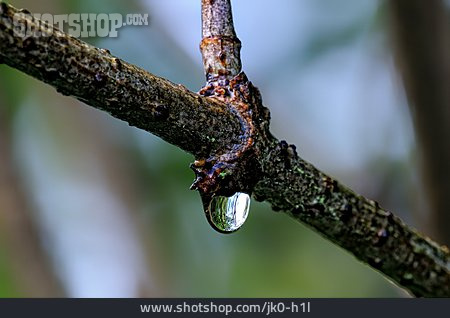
227	214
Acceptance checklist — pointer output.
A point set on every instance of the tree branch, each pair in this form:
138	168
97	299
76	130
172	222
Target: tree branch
206	126
94	76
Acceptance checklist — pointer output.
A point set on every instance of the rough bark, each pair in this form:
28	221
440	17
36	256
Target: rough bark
208	127
421	32
99	79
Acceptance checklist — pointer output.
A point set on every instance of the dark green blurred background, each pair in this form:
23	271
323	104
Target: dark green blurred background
90	207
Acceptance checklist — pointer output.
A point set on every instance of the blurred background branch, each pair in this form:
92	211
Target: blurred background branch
421	34
20	243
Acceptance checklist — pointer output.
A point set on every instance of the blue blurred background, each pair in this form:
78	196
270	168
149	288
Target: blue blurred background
90	207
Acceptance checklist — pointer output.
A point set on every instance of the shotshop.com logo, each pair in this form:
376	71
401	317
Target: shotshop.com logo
79	25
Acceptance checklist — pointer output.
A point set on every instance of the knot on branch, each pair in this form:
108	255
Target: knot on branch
237	168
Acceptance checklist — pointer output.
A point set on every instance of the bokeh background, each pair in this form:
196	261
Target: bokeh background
90	207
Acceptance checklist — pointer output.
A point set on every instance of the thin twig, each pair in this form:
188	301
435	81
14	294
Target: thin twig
355	223
220	46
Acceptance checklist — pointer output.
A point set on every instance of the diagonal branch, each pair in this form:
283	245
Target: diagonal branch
94	76
204	126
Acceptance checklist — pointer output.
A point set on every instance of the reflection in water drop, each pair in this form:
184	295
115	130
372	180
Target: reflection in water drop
227	214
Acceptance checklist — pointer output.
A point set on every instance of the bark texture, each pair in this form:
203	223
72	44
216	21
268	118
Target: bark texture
206	127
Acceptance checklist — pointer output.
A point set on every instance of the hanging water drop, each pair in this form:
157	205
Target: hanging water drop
227	214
